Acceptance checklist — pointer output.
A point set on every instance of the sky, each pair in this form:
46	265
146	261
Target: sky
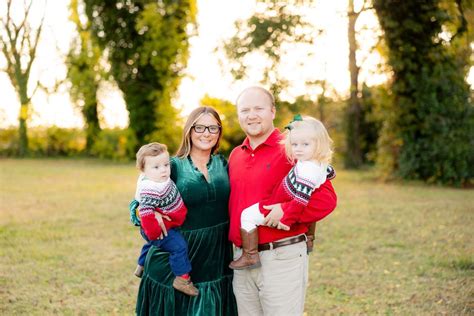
216	20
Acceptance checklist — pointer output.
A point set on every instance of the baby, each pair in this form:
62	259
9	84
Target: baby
159	197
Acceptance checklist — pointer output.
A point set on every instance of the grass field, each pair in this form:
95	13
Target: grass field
67	247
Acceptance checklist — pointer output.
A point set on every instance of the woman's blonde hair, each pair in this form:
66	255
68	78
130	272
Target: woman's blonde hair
318	133
151	149
186	144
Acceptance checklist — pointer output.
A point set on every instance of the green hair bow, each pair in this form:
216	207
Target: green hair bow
297	117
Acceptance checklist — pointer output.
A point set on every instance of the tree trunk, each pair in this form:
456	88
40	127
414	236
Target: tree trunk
353	158
23	117
90	114
22	128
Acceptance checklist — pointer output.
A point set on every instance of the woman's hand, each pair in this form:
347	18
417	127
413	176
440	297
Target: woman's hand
273	218
159	217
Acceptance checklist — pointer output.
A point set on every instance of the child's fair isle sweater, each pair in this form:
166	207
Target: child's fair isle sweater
296	190
161	197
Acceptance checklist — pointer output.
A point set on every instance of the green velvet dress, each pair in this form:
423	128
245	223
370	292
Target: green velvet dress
206	231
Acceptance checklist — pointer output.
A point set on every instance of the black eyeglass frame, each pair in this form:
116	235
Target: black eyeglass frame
207	127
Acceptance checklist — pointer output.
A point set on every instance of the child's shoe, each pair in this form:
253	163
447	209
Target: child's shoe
139	271
185	286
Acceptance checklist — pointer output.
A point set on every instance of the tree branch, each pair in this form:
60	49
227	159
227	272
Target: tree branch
35	45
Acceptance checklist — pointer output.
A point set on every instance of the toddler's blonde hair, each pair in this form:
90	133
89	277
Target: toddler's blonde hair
318	133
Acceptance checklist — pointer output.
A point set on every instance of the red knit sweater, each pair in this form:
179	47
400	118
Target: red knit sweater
165	200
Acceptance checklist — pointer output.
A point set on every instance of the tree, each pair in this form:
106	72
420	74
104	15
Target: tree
278	25
275	25
19	42
433	118
353	157
358	129
147	46
84	74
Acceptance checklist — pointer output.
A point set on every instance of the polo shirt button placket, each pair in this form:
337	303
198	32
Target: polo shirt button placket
250	160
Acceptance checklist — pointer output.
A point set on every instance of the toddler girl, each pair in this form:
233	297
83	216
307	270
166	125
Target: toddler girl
307	141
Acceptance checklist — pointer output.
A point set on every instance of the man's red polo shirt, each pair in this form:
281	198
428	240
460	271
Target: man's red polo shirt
254	174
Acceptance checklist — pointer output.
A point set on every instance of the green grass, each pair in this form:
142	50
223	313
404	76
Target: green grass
66	245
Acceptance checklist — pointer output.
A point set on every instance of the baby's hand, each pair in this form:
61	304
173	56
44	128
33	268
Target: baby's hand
166	217
282	226
159	217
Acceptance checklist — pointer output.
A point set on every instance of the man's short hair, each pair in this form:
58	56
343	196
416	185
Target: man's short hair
265	91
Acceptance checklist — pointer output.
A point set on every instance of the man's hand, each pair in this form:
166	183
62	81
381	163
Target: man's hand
273	218
283	226
159	217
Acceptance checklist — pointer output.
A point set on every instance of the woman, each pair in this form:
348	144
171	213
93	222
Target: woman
201	177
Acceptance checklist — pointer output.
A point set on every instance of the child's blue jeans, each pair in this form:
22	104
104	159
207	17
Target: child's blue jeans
175	244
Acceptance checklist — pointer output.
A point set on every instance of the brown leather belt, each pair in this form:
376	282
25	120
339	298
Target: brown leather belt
277	244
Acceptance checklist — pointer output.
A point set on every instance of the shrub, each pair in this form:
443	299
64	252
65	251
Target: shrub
44	141
116	144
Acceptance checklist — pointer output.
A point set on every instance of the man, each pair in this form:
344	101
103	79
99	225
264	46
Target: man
256	168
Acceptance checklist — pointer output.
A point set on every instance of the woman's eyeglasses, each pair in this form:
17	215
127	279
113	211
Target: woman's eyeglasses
213	129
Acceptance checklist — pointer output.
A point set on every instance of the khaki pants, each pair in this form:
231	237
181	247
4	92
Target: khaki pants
278	288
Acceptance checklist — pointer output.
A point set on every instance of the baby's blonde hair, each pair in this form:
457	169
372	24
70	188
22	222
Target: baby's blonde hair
151	149
323	151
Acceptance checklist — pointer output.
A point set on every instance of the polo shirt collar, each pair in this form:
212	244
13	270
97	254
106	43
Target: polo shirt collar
272	140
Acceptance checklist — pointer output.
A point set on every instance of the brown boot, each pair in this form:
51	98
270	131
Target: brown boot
310	237
185	286
250	258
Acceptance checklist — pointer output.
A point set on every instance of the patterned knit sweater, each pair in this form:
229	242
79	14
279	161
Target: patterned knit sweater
163	198
296	189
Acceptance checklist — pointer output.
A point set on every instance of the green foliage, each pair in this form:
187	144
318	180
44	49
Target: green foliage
55	141
44	142
147	45
115	144
232	134
382	116
9	141
274	26
370	120
327	110
84	74
169	128
433	113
